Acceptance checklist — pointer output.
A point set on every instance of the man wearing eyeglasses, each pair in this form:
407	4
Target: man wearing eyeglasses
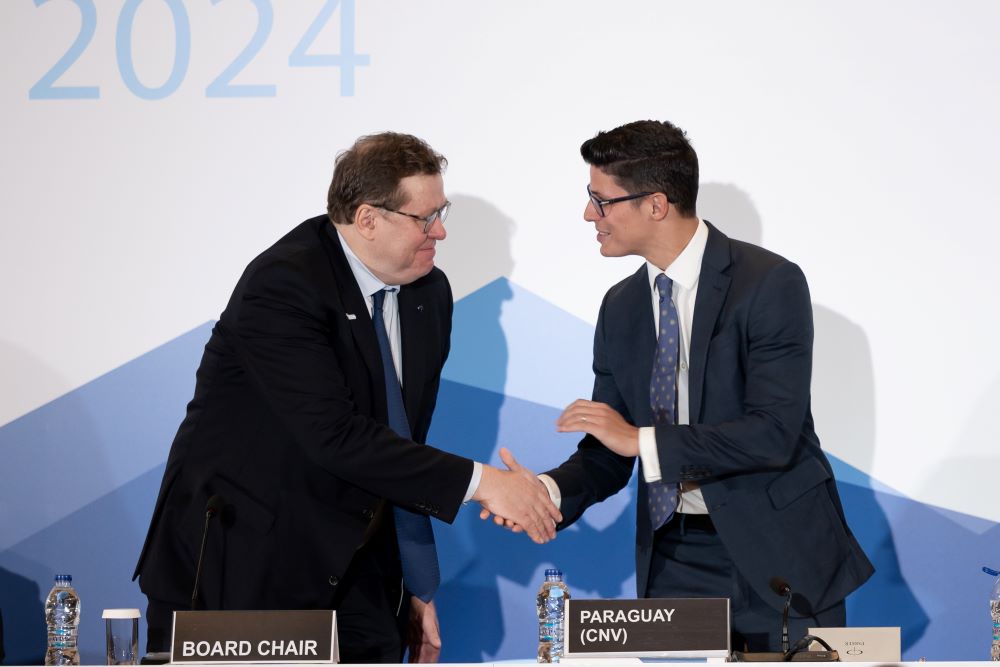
300	459
702	362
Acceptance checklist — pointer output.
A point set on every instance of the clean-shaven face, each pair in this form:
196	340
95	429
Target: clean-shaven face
623	229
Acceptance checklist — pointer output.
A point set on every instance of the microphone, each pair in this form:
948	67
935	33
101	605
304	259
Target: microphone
214	506
782	588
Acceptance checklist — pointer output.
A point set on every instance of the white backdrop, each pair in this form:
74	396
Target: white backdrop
856	138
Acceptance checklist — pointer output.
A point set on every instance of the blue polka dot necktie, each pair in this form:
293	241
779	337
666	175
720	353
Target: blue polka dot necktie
417	553
663	395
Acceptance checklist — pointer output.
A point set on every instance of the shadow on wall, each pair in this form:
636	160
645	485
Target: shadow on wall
477	248
475	252
35	447
486	602
489	576
954	546
23	618
111	434
843	393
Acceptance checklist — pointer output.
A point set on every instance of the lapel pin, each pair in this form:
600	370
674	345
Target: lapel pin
420	308
351	316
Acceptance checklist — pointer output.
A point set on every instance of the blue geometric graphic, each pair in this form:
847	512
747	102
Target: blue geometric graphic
81	473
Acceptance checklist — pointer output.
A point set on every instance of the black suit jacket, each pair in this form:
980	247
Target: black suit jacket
750	444
287	423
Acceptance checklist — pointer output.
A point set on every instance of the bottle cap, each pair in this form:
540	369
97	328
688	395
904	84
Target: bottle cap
68	578
121	613
990	571
553	572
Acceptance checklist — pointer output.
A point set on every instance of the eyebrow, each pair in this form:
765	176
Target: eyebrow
435	210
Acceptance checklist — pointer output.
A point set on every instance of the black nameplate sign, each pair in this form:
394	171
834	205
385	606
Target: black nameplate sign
255	636
672	627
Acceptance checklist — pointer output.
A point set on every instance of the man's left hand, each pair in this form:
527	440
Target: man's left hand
603	422
423	637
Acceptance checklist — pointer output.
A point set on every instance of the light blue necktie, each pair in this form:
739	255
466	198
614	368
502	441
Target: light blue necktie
417	552
663	395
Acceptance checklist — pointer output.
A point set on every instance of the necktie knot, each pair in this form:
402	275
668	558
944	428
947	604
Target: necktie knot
664	285
378	299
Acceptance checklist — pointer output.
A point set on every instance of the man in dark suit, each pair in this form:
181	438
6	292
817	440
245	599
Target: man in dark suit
313	397
734	489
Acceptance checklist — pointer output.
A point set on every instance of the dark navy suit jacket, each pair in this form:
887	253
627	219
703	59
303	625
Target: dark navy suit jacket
750	444
287	423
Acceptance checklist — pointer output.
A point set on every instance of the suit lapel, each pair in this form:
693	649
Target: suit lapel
413	331
355	308
632	334
713	285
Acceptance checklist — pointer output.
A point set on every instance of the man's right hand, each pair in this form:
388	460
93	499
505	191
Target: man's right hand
516	497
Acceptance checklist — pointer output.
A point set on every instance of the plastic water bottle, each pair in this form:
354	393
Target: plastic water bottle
551	607
62	615
995	612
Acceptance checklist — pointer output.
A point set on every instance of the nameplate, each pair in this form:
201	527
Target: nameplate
861	644
245	637
647	628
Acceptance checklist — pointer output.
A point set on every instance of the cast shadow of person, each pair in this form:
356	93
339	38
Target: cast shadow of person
489	575
843	404
23	617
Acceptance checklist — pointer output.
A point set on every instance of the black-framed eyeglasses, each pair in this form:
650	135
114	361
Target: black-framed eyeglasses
599	204
427	220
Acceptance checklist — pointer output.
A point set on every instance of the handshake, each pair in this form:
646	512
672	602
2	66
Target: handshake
517	499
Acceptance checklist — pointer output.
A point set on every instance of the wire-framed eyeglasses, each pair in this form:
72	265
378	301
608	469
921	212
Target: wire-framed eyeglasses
426	220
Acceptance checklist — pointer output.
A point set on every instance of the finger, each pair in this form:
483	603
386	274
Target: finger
578	416
544	522
535	531
484	514
499	520
509	460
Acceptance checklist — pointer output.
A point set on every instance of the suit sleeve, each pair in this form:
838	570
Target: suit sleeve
594	472
287	344
757	383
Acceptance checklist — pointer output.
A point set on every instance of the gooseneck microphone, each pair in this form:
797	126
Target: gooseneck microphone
782	588
800	651
212	507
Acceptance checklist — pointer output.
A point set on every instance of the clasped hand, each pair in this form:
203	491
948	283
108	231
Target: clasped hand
517	499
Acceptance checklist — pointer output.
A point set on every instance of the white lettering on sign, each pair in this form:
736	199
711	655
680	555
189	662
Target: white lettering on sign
290	648
232	648
609	616
604	635
225	649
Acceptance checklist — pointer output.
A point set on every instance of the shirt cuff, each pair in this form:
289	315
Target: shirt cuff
648	454
477	476
552	488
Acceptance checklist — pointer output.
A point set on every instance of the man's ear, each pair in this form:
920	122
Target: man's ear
660	205
366	219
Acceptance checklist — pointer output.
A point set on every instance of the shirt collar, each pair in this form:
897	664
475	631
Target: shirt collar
686	267
366	280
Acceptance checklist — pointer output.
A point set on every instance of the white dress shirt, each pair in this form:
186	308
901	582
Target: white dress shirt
684	272
369	285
